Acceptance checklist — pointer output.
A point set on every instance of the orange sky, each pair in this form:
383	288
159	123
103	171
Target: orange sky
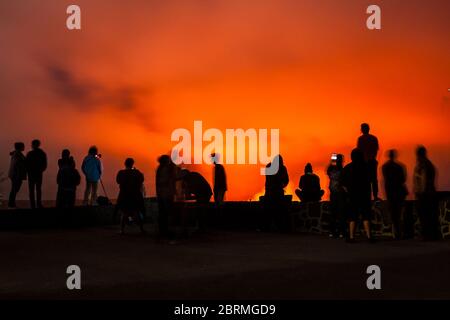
140	69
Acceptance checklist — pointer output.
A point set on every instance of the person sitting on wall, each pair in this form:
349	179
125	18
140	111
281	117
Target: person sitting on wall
309	186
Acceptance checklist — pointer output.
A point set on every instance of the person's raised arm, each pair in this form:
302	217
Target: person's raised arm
99	166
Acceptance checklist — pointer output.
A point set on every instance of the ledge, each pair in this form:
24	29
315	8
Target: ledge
244	215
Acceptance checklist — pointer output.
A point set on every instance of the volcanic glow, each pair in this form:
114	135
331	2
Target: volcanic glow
140	69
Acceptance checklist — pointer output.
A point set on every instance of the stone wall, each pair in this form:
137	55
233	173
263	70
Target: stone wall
444	218
308	218
311	218
315	218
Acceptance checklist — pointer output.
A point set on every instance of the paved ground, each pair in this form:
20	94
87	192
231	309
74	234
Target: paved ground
222	265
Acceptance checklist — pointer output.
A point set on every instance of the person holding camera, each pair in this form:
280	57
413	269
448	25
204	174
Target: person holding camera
337	197
92	170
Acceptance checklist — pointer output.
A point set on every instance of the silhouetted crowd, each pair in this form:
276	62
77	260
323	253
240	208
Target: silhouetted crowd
351	188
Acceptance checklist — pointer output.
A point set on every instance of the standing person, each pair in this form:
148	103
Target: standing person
394	174
36	161
425	191
356	182
92	169
68	179
309	186
337	197
130	198
368	144
17	172
275	207
165	192
220	180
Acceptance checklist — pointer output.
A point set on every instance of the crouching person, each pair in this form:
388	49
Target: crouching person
196	187
131	198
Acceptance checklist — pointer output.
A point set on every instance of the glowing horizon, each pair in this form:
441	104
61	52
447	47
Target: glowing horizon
136	72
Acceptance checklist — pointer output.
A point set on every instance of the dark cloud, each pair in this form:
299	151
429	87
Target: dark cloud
82	94
88	93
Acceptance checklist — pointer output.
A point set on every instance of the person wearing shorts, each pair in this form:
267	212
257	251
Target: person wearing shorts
356	183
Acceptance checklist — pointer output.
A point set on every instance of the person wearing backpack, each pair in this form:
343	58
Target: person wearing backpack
68	179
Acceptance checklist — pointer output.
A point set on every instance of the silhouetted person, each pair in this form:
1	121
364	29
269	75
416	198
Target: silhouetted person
425	191
17	172
196	186
337	197
66	159
275	184
356	182
309	186
394	174
368	144
92	169
275	206
220	180
36	161
166	175
130	200
68	179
